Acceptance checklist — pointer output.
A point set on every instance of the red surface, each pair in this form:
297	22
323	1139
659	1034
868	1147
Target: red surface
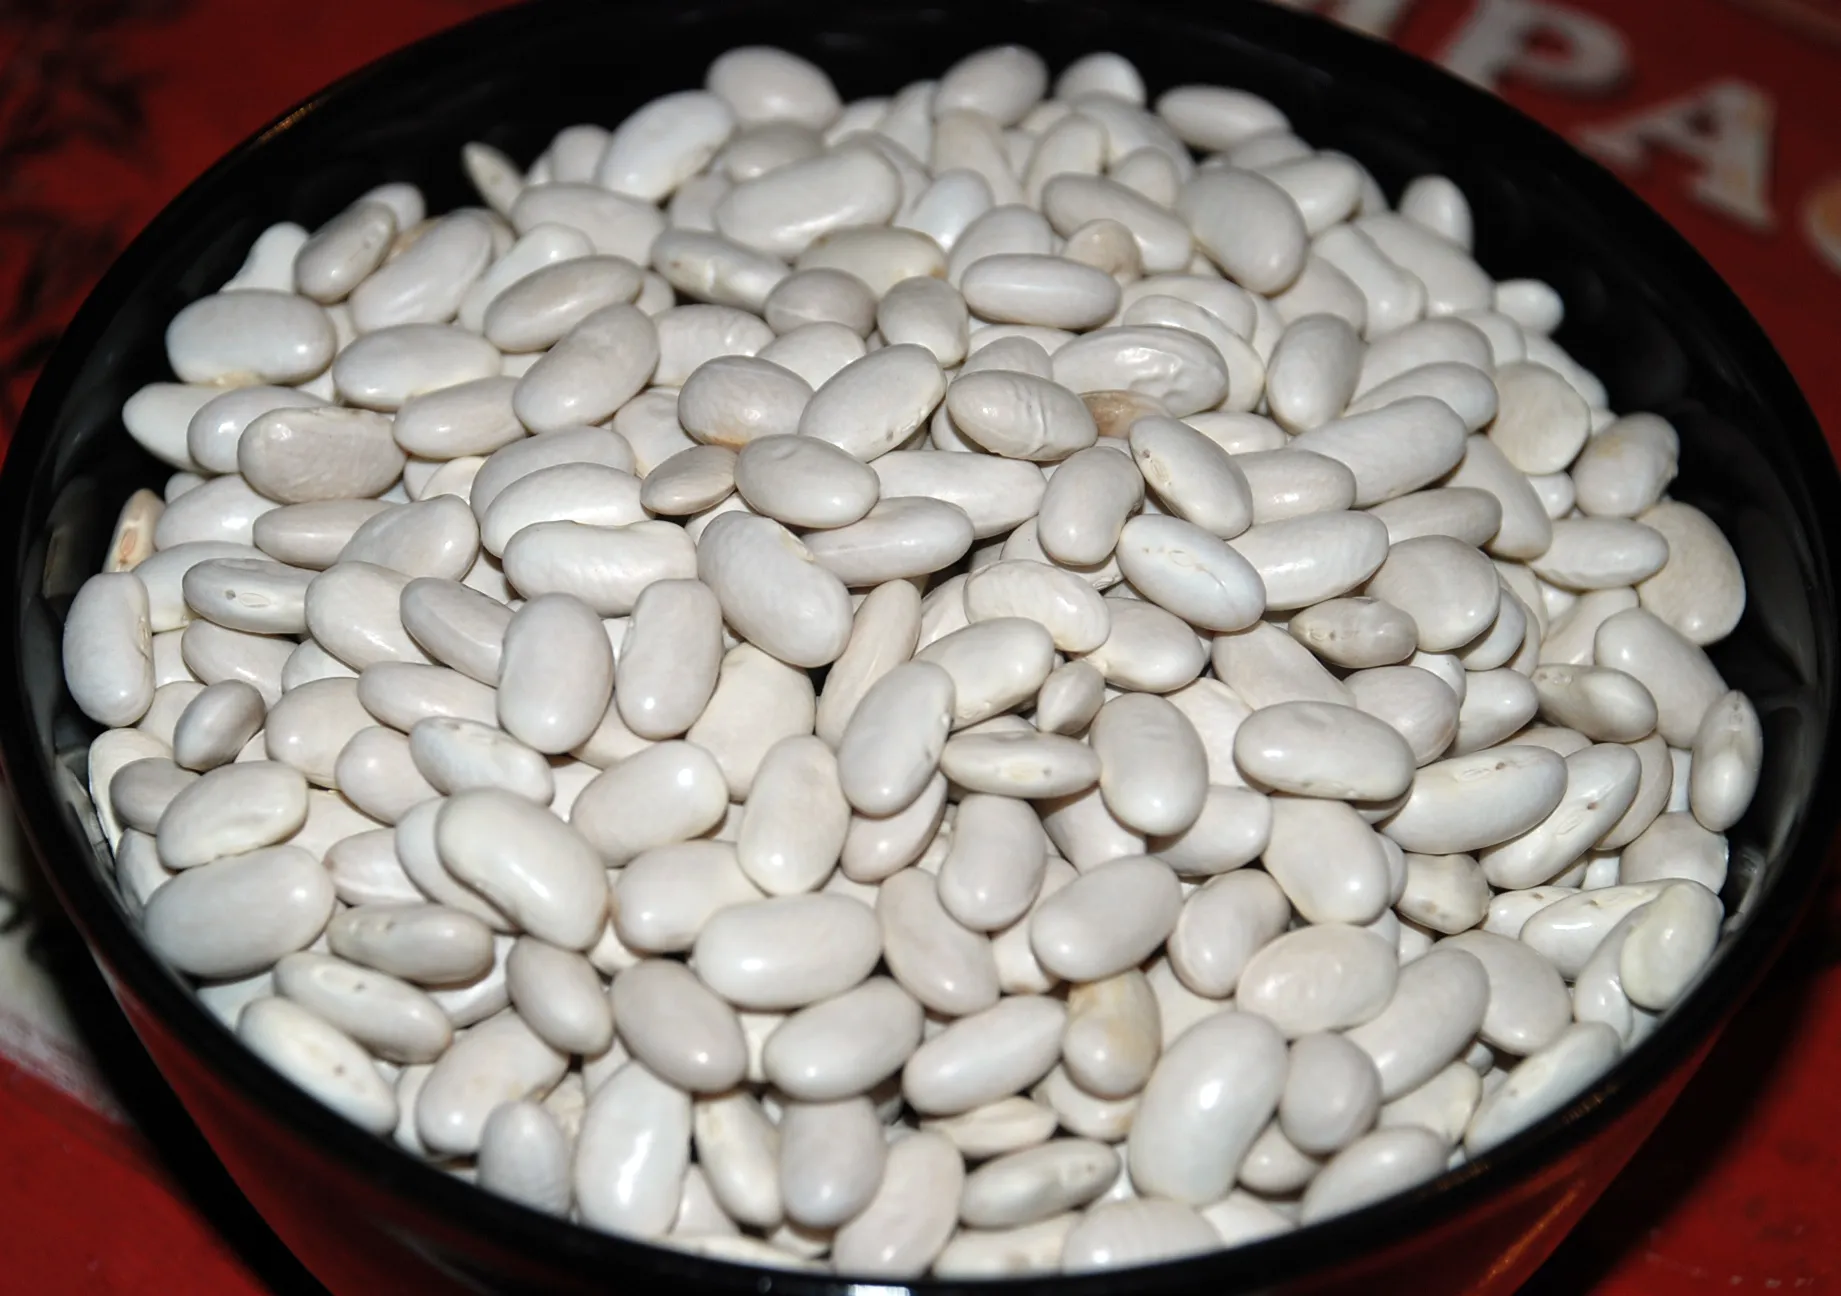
81	1191
107	107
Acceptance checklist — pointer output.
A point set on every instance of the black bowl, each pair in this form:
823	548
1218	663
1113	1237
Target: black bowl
1643	311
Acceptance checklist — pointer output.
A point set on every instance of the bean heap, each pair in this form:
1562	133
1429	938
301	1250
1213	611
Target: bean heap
1069	706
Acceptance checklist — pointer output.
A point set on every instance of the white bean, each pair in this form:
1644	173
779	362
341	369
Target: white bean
669	792
994	665
1037	1184
424	943
872	405
1325	977
1668	943
664	896
1113	1036
787	951
771	592
1110	918
678	1028
758	701
1305	560
877	847
994	862
556	673
1153	770
995	1129
1542	1084
1187	1138
1332	1094
338	256
984	1056
898	538
321	1059
1248	226
1020	415
832	1160
664	143
907	1222
253	334
1030	288
632	1153
1528	1003
524	1155
1212	118
1601	784
556	891
1684	684
383	370
1453	281
1700	590
1386	1162
880	257
795	819
1728	751
542	246
821	296
560	996
1623	470
1331	865
1178	368
1478	800
232	810
891	744
1438	1004
845	1046
927	312
1313	372
424	283
1525	530
738	1150
1393	297
108	649
391	1018
602	362
1185	569
949	968
236	916
215	724
1605	705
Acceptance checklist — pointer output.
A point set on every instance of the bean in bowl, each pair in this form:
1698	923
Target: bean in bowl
980	682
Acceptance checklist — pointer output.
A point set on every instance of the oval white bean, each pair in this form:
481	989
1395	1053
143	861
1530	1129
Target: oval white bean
1386	1162
1110	918
1325	977
632	1153
237	916
1035	1184
787	951
1209	1096
527	862
321	1059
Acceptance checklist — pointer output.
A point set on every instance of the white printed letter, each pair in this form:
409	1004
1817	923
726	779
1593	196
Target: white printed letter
1724	126
1822	221
1546	45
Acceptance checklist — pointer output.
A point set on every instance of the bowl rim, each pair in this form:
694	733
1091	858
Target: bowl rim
1685	1031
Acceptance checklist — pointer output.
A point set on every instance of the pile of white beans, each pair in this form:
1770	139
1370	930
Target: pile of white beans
1070	706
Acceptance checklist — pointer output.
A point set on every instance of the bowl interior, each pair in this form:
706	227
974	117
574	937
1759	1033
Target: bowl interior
1643	312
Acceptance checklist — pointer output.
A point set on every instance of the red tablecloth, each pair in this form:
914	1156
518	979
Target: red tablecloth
1726	114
